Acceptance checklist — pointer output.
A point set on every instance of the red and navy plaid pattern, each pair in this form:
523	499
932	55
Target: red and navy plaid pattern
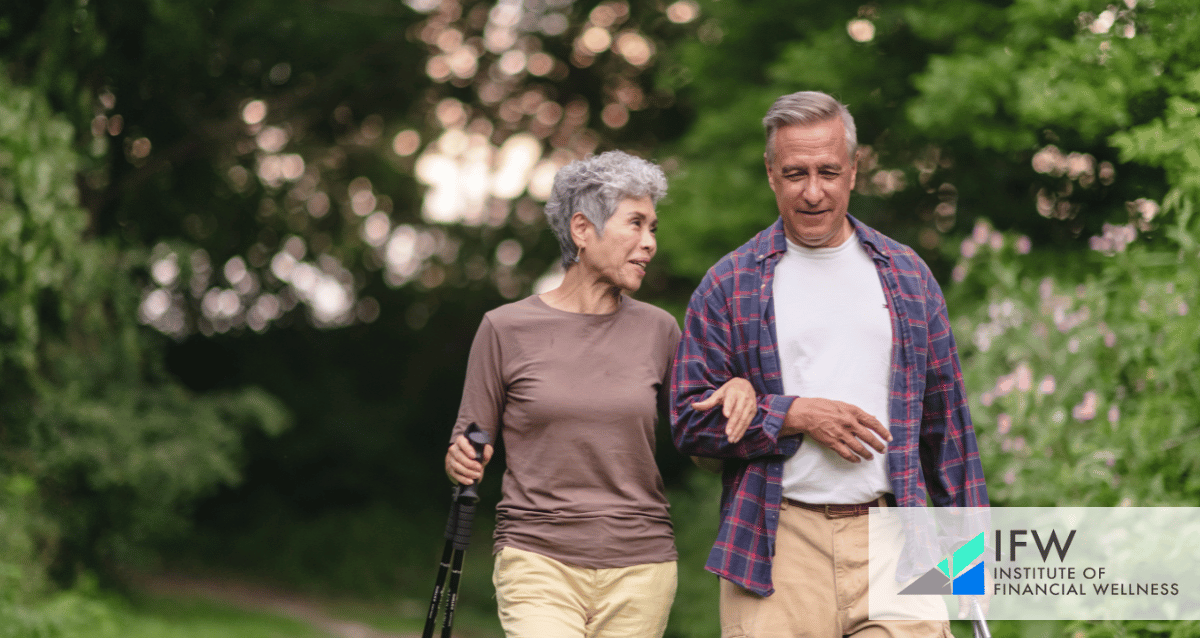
729	331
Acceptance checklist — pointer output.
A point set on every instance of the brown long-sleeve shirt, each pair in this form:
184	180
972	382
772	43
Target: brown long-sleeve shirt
575	398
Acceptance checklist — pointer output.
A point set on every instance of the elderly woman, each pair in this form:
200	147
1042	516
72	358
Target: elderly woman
573	380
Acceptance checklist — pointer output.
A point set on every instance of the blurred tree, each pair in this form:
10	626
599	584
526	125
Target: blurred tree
103	453
1002	111
328	196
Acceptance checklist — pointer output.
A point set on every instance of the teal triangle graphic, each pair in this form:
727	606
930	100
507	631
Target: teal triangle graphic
965	555
944	567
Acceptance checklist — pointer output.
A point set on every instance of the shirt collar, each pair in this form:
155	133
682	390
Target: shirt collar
774	241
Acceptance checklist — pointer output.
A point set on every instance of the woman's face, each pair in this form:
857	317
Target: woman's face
620	256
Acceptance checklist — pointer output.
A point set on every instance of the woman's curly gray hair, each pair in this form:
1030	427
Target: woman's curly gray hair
595	187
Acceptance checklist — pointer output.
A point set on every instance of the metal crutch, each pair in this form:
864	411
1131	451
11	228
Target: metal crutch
458	536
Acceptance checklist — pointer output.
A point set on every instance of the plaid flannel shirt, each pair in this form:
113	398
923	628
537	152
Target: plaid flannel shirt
729	331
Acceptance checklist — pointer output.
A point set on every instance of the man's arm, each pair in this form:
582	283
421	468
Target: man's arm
710	353
949	452
708	356
844	428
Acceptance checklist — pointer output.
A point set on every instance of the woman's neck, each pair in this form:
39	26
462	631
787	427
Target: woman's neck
584	294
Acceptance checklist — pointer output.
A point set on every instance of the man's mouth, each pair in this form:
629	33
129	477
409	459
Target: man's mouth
640	263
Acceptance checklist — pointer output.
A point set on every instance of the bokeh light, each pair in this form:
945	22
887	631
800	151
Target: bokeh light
596	39
683	11
254	112
636	49
540	64
615	115
509	252
517	157
140	148
861	30
271	139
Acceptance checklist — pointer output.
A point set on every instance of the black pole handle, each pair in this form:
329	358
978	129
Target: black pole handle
478	439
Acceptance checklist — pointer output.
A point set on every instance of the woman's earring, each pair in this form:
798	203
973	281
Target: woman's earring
577	252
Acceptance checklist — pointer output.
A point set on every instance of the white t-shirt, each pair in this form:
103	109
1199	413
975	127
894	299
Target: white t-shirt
835	342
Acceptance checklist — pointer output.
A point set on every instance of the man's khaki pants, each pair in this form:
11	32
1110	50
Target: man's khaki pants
820	573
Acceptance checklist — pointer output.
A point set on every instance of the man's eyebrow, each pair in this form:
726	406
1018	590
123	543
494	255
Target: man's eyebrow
837	166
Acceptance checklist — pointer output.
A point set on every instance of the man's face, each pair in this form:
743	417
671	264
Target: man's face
812	176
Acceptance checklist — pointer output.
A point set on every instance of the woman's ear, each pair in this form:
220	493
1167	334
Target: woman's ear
580	225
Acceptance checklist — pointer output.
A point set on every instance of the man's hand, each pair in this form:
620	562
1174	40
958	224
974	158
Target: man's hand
461	465
738	403
838	426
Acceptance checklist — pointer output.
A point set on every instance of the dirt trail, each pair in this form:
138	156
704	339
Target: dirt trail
255	597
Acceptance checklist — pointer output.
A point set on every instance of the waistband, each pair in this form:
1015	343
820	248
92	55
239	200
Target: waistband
840	510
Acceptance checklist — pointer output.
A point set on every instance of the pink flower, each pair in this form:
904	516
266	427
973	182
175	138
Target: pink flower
1086	410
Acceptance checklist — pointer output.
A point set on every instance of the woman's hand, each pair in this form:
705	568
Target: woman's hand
738	403
461	465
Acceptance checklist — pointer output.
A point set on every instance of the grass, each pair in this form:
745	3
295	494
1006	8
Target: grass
155	617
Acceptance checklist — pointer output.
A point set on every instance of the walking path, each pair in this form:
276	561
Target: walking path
260	598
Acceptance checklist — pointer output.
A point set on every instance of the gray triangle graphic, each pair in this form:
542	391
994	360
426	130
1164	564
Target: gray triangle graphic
933	583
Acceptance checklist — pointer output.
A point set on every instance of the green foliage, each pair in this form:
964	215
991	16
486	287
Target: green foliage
102	451
92	615
64	615
1147	629
1082	372
694	508
1057	65
367	552
1085	365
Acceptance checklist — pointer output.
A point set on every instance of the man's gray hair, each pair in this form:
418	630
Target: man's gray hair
595	187
808	107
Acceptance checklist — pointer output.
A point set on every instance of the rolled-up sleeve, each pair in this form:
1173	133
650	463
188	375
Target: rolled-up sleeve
709	354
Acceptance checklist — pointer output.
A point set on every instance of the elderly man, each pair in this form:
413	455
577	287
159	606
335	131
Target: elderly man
844	335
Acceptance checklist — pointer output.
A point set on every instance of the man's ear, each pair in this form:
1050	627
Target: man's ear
770	176
579	229
854	169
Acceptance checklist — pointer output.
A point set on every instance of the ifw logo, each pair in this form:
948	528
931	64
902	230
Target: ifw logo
960	574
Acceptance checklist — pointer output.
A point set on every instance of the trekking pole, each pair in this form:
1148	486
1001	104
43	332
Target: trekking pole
978	622
458	536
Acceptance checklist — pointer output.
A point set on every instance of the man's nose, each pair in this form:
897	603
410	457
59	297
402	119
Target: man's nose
812	192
